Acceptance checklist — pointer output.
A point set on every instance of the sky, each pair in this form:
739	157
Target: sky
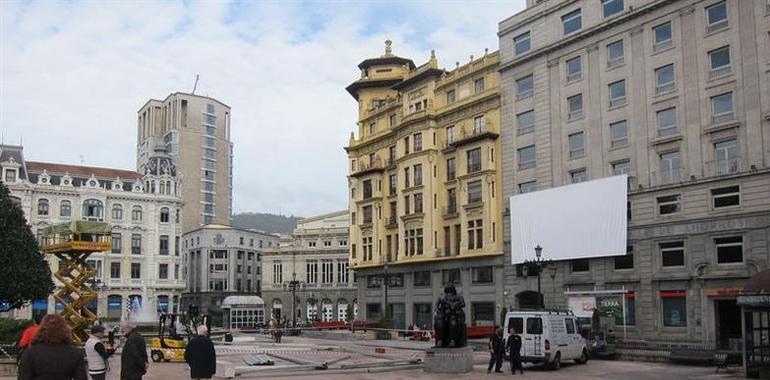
74	73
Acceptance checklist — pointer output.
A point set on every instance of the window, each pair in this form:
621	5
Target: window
450	96
343	275
114	270
406	145
716	17
524	87
10	175
621	167
722	108
611	7
619	132
475	234
527	157
527	187
535	326
392	183
163	271
478	85
726	196
474	192
165	215
569	325
474	160
451	201
482	275
327	271
42	207
669	204
136	214
65	209
575	106
661	36
372	128
576	144
617	91
417	175
117	212
392	155
417	142
672	254
136	271
719	61
726	157
674	304
615	54
664	79
422	278
667	122
578	176
626	261
366	211
367	189
136	244
729	249
417	203
669	168
210	109
450	276
93	210
574	69
406	178
117	243
312	271
572	22
163	245
525	122
327	243
450	134
521	43
478	124
450	169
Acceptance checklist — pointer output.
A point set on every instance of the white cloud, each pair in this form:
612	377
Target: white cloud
72	76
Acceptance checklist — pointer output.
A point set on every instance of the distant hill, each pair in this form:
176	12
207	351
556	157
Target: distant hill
269	223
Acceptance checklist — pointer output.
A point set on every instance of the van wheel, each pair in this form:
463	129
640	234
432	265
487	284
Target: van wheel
156	356
583	359
556	363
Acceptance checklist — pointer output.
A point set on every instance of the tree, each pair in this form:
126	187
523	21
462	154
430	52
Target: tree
25	272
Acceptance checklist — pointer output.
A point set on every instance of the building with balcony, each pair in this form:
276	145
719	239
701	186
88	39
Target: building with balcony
145	257
309	269
190	133
674	94
425	193
221	261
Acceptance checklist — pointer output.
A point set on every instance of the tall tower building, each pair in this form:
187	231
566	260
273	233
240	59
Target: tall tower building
191	134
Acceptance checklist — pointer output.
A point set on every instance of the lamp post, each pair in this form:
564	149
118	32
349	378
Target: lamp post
386	282
536	266
293	285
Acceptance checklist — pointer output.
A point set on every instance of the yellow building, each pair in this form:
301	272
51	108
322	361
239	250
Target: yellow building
425	189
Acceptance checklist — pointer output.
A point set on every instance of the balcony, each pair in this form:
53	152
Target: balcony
667	131
664	88
473	134
716	26
615	62
667	177
663	45
723	167
364	169
617	102
450	211
723	117
391	222
574	77
720	71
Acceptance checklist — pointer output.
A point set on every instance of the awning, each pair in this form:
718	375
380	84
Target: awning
756	291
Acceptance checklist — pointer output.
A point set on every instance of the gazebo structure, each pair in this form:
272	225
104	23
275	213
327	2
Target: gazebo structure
755	304
243	312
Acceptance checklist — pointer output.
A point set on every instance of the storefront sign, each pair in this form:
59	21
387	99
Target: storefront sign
582	306
723	292
755	300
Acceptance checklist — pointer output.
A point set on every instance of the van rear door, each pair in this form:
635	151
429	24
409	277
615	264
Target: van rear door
533	339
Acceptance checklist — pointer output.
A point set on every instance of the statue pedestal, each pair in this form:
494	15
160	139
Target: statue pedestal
448	360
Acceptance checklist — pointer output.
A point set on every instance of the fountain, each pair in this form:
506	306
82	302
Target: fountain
140	311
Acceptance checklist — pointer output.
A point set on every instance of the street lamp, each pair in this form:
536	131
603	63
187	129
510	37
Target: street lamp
293	286
535	267
386	281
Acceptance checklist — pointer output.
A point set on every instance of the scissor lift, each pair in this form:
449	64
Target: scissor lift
72	243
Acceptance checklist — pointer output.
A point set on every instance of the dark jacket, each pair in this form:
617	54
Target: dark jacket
513	345
201	357
43	361
133	360
496	343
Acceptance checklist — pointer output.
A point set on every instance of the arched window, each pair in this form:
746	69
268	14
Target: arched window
117	212
114	306
136	214
93	209
42	207
164	215
65	209
162	189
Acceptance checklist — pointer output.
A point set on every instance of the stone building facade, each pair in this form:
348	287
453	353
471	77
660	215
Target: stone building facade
315	255
192	132
220	261
674	94
145	258
425	188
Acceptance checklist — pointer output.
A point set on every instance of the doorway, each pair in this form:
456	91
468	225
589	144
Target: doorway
728	324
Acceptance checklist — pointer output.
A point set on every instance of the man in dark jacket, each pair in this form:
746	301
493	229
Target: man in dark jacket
133	360
200	355
513	346
496	350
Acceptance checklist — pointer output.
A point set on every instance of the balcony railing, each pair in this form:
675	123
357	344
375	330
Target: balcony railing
664	88
619	143
615	62
617	102
450	210
524	94
667	131
716	26
721	118
575	115
473	133
391	221
719	71
667	177
574	76
723	167
662	45
364	168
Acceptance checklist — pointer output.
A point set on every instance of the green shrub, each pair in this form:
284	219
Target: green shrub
11	329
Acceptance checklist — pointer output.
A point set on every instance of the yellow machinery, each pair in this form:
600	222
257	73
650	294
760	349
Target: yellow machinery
169	345
72	243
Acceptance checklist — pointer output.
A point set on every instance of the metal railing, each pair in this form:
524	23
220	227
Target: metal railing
664	88
716	26
524	94
667	177
662	45
572	115
575	76
723	167
617	102
715	119
615	62
619	143
720	71
450	210
668	131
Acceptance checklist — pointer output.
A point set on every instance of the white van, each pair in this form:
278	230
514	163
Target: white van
547	336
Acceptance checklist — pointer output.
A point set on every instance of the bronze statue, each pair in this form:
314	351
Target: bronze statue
449	321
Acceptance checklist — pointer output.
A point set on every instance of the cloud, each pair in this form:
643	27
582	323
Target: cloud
73	75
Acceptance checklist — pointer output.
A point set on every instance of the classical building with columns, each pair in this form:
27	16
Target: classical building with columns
143	210
675	95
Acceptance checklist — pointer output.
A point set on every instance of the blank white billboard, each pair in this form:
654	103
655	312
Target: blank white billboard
581	220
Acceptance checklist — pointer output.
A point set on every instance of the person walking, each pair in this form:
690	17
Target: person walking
200	355
496	351
29	332
513	346
51	355
133	359
97	355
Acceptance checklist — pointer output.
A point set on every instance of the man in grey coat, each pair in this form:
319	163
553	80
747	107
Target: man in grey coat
133	359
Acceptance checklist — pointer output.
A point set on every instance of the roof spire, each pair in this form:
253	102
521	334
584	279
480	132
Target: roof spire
388	49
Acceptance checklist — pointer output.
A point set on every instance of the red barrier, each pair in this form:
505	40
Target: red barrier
480	331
